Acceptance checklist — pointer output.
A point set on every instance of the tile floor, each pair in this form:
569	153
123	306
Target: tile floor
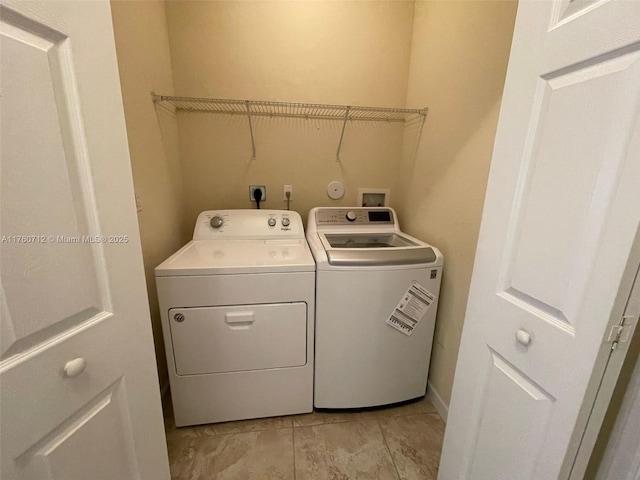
403	442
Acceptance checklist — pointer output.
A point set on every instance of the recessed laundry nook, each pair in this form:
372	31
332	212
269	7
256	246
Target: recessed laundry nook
291	240
424	56
207	145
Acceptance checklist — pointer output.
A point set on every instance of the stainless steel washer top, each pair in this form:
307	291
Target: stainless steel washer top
364	237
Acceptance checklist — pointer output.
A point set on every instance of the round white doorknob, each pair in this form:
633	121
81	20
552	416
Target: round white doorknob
523	337
75	367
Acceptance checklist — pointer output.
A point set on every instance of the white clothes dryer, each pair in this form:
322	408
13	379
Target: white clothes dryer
376	299
237	309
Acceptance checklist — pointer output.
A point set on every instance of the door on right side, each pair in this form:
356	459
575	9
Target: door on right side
560	218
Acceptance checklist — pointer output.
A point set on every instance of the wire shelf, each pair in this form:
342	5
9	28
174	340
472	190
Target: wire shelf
251	108
288	109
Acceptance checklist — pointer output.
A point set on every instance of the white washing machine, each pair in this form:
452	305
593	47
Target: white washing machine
237	308
376	299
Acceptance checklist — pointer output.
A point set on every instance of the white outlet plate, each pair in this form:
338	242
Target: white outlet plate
253	188
287	188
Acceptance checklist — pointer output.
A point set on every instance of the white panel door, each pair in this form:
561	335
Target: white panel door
560	218
79	388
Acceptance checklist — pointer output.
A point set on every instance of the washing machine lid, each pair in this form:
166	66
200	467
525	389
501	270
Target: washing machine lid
221	257
376	249
368	240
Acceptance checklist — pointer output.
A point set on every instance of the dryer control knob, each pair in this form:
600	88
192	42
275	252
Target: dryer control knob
351	216
272	222
285	222
216	222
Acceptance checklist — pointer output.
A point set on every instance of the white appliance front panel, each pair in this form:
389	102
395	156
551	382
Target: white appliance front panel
360	360
222	397
238	338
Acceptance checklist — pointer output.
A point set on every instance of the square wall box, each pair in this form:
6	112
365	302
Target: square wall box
373	197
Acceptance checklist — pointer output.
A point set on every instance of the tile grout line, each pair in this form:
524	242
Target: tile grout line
331	423
384	439
216	434
293	438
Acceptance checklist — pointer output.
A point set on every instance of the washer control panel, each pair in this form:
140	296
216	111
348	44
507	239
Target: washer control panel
354	216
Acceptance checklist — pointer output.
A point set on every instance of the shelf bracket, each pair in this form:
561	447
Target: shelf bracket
253	143
344	124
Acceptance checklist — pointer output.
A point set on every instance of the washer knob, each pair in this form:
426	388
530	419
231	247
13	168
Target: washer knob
216	222
351	216
272	222
285	222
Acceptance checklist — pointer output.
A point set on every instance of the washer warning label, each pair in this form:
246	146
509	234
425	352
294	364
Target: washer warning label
410	310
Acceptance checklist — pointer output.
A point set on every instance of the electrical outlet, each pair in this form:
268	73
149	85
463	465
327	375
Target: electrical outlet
287	188
252	190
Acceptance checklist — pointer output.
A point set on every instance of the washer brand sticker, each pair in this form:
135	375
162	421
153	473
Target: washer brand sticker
410	310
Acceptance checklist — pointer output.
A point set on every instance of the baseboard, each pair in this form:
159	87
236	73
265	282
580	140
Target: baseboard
164	388
441	407
165	397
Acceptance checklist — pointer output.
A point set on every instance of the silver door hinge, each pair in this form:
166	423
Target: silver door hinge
621	332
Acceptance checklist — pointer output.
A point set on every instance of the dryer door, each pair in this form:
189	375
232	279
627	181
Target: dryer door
238	338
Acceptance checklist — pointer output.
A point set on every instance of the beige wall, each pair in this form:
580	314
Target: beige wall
458	62
353	53
144	62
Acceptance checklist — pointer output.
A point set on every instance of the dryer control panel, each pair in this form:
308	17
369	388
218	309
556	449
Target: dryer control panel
248	224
